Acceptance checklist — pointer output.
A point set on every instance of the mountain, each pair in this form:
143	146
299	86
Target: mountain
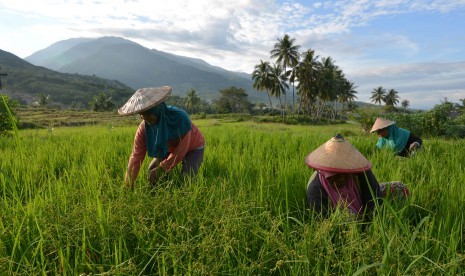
47	57
25	81
137	66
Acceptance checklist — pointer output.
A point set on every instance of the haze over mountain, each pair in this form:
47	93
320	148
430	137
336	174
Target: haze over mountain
136	66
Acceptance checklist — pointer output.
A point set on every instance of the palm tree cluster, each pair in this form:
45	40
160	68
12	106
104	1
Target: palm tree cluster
389	97
319	81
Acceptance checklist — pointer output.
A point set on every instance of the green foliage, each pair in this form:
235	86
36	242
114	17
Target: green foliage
412	122
101	102
405	104
43	99
378	95
456	131
301	120
7	114
202	115
389	108
435	122
366	119
191	101
200	106
176	101
391	98
76	105
351	106
233	100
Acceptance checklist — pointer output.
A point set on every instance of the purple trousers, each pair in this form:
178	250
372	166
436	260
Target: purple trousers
190	164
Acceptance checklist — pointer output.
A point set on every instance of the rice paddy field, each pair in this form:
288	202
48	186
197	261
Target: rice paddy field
64	209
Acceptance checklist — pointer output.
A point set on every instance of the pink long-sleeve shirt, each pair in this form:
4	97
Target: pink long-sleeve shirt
177	148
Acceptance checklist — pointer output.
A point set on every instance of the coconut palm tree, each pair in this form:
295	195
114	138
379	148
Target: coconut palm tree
328	82
339	83
278	84
287	54
405	104
307	74
391	98
261	76
347	93
351	106
191	100
378	94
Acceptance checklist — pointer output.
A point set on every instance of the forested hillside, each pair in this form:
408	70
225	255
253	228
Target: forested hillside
26	82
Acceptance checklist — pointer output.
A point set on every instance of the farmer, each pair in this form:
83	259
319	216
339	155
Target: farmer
166	133
397	139
342	178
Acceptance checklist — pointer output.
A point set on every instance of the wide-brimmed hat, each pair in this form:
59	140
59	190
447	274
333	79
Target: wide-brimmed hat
144	99
337	155
381	123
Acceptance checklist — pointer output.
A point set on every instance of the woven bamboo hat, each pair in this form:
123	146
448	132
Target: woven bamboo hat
144	99
381	123
337	155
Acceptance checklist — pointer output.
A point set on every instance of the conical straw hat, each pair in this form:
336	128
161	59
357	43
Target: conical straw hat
144	99
381	123
337	155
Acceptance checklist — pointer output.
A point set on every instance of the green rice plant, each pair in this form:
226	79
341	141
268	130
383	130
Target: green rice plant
64	209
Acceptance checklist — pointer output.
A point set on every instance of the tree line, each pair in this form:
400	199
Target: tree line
447	118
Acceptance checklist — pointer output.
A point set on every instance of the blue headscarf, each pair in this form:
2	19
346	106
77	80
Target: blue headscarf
173	123
396	139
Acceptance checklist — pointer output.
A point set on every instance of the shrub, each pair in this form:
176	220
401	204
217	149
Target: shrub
435	122
415	123
366	121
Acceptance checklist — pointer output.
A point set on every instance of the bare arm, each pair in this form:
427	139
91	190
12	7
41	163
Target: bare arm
178	154
137	156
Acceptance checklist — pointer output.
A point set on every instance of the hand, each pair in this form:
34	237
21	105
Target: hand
413	146
156	175
128	183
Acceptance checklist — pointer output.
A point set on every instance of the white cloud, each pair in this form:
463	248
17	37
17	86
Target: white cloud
423	84
236	35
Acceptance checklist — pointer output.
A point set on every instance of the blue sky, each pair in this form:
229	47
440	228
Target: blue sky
416	47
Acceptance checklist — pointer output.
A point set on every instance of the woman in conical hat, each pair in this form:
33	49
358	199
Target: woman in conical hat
399	140
166	133
343	177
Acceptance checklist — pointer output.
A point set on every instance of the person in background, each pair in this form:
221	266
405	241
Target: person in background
397	139
343	178
166	134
